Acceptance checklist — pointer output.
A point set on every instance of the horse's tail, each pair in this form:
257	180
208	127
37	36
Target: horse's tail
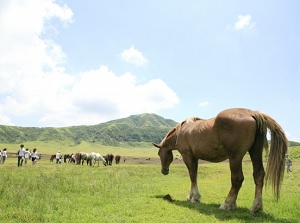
278	150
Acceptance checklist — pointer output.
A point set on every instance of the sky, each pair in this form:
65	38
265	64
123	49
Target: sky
66	63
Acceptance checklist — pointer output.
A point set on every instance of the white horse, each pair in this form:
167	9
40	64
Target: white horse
98	158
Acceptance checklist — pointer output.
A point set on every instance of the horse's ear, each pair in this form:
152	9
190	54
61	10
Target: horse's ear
156	145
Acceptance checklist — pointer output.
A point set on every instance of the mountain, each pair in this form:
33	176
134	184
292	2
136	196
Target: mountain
133	129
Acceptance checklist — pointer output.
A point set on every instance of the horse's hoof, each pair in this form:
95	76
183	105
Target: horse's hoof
227	207
193	200
257	206
255	210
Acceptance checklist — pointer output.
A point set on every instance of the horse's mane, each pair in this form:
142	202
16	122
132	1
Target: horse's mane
177	128
191	119
188	120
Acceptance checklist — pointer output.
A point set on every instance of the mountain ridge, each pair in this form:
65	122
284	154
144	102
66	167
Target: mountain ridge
146	127
132	130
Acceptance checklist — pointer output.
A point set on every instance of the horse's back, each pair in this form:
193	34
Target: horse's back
92	155
236	128
98	156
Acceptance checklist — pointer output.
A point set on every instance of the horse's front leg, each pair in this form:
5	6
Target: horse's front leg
192	164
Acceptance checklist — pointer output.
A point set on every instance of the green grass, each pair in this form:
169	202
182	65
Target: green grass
47	192
294	152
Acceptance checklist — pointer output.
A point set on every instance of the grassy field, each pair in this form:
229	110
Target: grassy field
133	192
144	150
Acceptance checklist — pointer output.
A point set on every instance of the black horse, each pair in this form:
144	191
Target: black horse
109	159
66	156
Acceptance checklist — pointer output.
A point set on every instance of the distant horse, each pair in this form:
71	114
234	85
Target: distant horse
90	158
80	157
117	159
66	156
109	159
83	157
52	157
230	135
98	158
77	158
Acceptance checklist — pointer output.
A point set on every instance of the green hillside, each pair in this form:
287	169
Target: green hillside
131	130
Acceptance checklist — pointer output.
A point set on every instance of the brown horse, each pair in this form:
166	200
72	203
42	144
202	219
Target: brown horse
230	135
52	157
117	159
80	157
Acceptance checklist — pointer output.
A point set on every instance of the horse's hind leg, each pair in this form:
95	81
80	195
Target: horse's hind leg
258	172
237	179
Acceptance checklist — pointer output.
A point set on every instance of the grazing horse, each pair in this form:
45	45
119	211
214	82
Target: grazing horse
229	135
98	158
83	157
90	158
52	157
117	159
80	157
66	156
109	159
77	156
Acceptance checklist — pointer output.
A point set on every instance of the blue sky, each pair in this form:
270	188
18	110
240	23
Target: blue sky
65	63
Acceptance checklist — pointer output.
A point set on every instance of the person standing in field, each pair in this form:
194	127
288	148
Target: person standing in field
4	156
288	163
20	154
72	158
34	156
58	157
27	155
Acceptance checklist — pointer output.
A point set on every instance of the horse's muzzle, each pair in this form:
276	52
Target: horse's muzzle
164	171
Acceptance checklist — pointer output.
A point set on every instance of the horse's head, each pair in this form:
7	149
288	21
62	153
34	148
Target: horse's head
165	150
166	158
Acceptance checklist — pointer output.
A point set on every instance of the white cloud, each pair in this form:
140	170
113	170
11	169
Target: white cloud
133	56
100	95
203	104
35	86
244	21
23	51
5	120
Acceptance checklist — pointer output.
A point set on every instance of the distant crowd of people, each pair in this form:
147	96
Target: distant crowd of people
24	155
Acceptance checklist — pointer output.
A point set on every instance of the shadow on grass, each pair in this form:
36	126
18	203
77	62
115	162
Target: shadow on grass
242	214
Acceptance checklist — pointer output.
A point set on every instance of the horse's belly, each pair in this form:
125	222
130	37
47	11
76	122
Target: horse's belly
217	154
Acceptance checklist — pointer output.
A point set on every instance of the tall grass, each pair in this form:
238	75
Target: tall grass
128	192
